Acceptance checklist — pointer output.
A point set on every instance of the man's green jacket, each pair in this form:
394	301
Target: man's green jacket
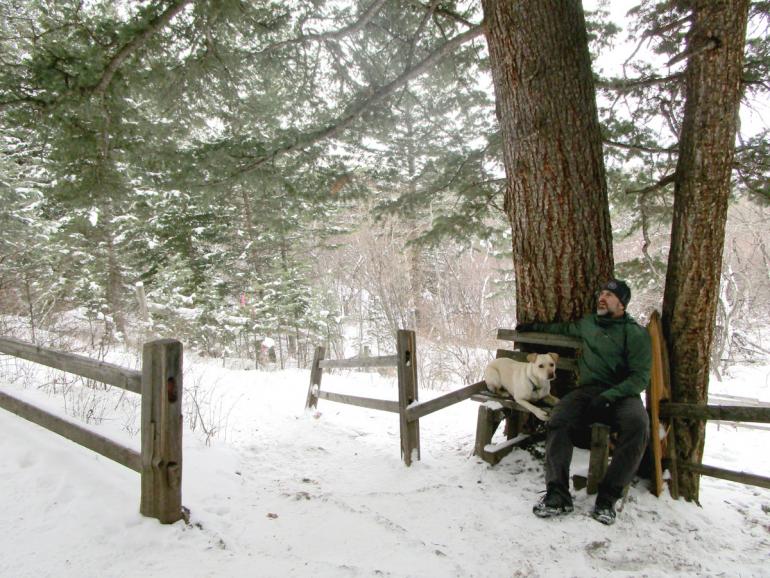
616	353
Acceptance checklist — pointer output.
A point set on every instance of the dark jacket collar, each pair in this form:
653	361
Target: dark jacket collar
607	321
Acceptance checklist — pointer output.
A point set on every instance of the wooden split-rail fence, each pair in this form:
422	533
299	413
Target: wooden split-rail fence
674	412
159	383
408	407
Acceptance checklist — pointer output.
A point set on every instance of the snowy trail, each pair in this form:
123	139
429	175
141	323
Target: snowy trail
290	494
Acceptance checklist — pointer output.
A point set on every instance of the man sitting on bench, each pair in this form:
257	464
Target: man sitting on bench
613	369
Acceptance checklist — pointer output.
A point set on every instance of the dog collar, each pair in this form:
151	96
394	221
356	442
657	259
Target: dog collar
534	384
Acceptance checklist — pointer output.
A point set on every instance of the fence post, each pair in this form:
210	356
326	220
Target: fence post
162	431
315	378
407	393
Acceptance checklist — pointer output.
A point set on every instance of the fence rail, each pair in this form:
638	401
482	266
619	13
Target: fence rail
128	379
405	361
740	413
368	402
74	432
537	338
416	411
359	362
730	475
408	408
160	385
732	413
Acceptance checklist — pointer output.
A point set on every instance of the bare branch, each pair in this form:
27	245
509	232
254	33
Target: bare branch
643	210
659	31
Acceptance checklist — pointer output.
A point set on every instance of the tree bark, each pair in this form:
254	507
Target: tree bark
114	284
556	196
420	318
702	187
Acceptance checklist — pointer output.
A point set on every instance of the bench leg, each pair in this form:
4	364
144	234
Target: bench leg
600	453
597	463
514	422
486	425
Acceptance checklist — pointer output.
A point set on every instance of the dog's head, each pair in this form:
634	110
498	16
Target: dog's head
544	364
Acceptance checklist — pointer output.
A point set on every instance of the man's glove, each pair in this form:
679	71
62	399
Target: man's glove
523	327
599	410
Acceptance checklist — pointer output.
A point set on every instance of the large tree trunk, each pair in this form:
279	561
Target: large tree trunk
702	188
556	198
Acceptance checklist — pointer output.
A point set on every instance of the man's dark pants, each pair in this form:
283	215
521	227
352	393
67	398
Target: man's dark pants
569	427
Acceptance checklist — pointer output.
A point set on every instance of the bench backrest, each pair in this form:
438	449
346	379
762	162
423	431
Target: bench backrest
528	342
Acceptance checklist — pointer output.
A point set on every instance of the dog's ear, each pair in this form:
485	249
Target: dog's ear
532	357
554	356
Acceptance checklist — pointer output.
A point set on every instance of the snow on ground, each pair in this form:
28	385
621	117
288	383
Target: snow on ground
285	492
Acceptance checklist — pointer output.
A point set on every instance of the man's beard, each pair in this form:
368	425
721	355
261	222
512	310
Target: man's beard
602	311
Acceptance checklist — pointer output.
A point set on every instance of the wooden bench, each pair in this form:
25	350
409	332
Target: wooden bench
521	427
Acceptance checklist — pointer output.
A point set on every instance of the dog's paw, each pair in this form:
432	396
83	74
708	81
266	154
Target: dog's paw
543	416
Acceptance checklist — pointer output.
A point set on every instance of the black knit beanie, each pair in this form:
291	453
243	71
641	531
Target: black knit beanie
621	290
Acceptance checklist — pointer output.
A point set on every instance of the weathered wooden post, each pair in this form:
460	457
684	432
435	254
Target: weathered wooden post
486	424
600	453
162	431
141	298
407	393
315	378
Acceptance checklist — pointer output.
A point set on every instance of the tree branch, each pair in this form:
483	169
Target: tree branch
667	180
646	236
627	84
644	149
755	82
690	52
100	87
426	17
135	43
38	102
359	108
444	12
655	31
352	28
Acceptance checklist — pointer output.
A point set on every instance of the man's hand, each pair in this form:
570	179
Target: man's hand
523	327
599	410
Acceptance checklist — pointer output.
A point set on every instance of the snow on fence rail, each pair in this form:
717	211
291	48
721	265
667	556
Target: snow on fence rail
160	385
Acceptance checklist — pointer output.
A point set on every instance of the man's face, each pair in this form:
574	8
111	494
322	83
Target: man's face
608	304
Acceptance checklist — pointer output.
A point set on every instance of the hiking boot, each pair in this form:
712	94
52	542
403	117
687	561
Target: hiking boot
604	511
553	504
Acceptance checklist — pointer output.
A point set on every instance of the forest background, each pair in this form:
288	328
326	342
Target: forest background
258	178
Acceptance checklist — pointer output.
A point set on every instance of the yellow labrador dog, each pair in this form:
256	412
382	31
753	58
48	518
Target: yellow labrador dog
526	382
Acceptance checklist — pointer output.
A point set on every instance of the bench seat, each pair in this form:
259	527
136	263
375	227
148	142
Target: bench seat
521	427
